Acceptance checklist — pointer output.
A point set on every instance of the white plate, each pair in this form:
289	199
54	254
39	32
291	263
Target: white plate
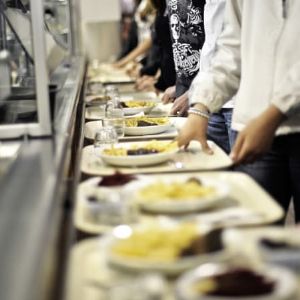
135	110
137	160
179	205
285	287
184	161
169	268
147	130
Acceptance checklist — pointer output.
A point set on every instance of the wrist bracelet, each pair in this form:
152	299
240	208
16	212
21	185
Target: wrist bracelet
198	112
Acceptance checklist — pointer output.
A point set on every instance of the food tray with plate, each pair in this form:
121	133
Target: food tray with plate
100	99
240	208
93	269
96	112
129	108
90	129
191	159
89	276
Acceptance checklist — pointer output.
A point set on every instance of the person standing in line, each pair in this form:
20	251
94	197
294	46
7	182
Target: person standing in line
187	33
219	125
263	71
159	72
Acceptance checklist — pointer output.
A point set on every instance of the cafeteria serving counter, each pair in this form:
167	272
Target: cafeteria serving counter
36	188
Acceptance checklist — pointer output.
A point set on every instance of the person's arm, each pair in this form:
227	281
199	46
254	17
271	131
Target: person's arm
220	82
217	84
287	95
139	50
214	12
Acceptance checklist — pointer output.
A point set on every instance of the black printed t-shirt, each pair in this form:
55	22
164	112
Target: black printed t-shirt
187	33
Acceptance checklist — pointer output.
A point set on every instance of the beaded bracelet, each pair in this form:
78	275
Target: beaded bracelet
198	112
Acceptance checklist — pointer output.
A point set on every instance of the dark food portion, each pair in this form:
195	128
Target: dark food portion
204	244
141	151
194	179
145	123
123	104
116	179
241	282
277	245
92	199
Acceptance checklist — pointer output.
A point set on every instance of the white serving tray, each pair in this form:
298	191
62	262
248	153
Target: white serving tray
127	96
97	112
245	209
91	127
194	159
89	273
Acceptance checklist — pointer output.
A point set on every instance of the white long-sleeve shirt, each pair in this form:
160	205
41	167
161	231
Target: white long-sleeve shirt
258	59
214	11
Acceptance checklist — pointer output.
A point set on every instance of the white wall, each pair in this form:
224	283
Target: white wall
101	28
100	10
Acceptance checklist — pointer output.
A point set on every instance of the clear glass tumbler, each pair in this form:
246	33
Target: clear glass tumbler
115	118
105	136
111	91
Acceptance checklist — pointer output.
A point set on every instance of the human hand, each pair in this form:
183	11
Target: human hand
145	83
169	95
181	105
133	69
120	64
195	128
257	137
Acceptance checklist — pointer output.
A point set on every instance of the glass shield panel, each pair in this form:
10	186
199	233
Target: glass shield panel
57	25
19	104
25	107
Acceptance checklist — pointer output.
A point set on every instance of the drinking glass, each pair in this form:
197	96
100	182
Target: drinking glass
111	91
115	118
105	136
95	87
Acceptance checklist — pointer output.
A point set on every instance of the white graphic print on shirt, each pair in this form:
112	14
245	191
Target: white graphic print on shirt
187	60
185	22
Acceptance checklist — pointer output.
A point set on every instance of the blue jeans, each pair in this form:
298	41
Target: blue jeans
219	129
278	171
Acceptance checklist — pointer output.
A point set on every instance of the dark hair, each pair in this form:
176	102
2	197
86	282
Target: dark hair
159	5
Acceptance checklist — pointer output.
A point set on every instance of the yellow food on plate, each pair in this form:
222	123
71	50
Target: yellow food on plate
134	104
156	244
177	191
145	121
152	147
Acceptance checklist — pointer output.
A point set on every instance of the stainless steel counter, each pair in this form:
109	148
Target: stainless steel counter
32	195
